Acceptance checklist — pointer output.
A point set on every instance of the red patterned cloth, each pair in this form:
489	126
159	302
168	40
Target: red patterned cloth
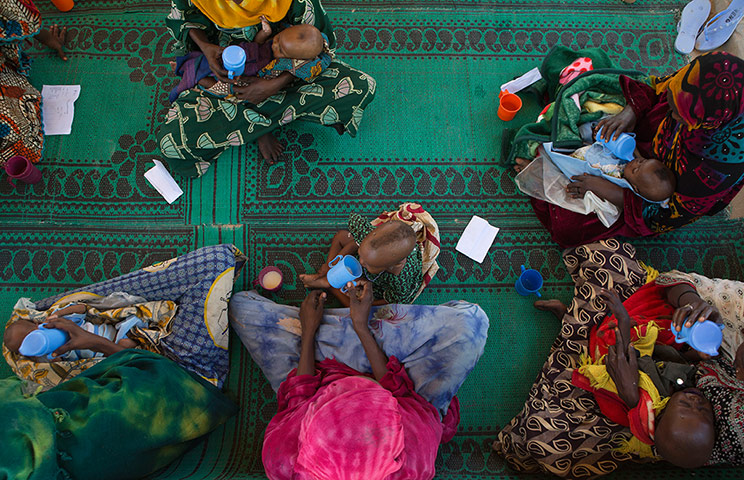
579	66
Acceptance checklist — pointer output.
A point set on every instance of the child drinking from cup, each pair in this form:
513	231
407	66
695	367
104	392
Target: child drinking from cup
87	340
298	43
390	256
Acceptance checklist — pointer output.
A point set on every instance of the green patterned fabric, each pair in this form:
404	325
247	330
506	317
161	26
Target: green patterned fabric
401	288
199	127
125	417
431	136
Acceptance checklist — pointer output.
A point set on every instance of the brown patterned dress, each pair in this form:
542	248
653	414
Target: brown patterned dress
561	429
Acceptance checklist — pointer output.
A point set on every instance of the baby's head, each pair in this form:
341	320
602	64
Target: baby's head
386	247
651	179
301	42
16	332
685	432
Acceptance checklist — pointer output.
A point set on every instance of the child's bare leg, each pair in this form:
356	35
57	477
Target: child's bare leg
342	244
207	82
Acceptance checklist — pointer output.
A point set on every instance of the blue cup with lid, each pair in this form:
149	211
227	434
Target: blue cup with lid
623	147
704	336
344	269
43	342
233	59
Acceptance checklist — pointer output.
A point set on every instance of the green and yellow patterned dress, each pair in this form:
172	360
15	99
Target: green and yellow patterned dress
200	126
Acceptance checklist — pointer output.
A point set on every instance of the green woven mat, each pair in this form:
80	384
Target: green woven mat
430	136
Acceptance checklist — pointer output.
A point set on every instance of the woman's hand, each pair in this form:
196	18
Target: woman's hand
360	303
255	90
213	54
79	339
311	312
622	366
696	309
613	126
624	322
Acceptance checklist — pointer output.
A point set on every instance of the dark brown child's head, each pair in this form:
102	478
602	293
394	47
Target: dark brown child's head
15	334
301	42
651	179
386	247
685	431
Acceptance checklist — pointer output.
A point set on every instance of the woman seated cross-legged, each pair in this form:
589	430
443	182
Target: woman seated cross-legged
202	123
335	419
692	121
597	403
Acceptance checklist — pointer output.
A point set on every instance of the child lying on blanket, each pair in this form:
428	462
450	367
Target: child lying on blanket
390	257
649	178
87	340
298	42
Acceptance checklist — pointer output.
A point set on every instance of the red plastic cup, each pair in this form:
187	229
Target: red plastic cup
509	105
21	168
64	5
270	279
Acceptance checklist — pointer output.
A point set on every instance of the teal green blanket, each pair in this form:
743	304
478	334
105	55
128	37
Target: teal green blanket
560	124
125	417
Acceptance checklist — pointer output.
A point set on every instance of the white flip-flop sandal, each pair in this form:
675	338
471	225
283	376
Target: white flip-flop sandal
694	16
720	28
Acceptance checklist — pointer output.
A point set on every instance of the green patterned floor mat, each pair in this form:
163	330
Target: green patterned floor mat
430	136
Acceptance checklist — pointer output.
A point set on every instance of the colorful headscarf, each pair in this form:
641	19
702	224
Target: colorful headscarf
705	150
229	14
353	430
709	96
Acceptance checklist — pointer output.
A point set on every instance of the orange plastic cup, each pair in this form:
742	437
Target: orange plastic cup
509	105
64	5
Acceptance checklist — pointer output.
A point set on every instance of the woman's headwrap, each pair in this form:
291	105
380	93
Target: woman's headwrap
353	430
709	91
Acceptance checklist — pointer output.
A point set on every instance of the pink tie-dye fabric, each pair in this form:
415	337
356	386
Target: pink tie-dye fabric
340	424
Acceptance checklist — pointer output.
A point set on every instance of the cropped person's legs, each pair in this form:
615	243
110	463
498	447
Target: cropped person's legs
199	126
438	345
561	430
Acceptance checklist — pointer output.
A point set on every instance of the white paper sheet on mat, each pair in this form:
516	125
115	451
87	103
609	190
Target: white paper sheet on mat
477	238
58	108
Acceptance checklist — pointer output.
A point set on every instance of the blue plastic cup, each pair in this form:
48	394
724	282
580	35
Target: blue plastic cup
704	336
233	59
43	342
623	147
529	282
344	269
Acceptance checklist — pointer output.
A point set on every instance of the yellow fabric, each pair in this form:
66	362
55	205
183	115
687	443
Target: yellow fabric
637	447
228	14
651	272
599	378
611	108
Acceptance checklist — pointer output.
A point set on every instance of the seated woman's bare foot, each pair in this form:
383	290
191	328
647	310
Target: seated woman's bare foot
173	66
553	306
314	280
207	82
269	147
521	164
